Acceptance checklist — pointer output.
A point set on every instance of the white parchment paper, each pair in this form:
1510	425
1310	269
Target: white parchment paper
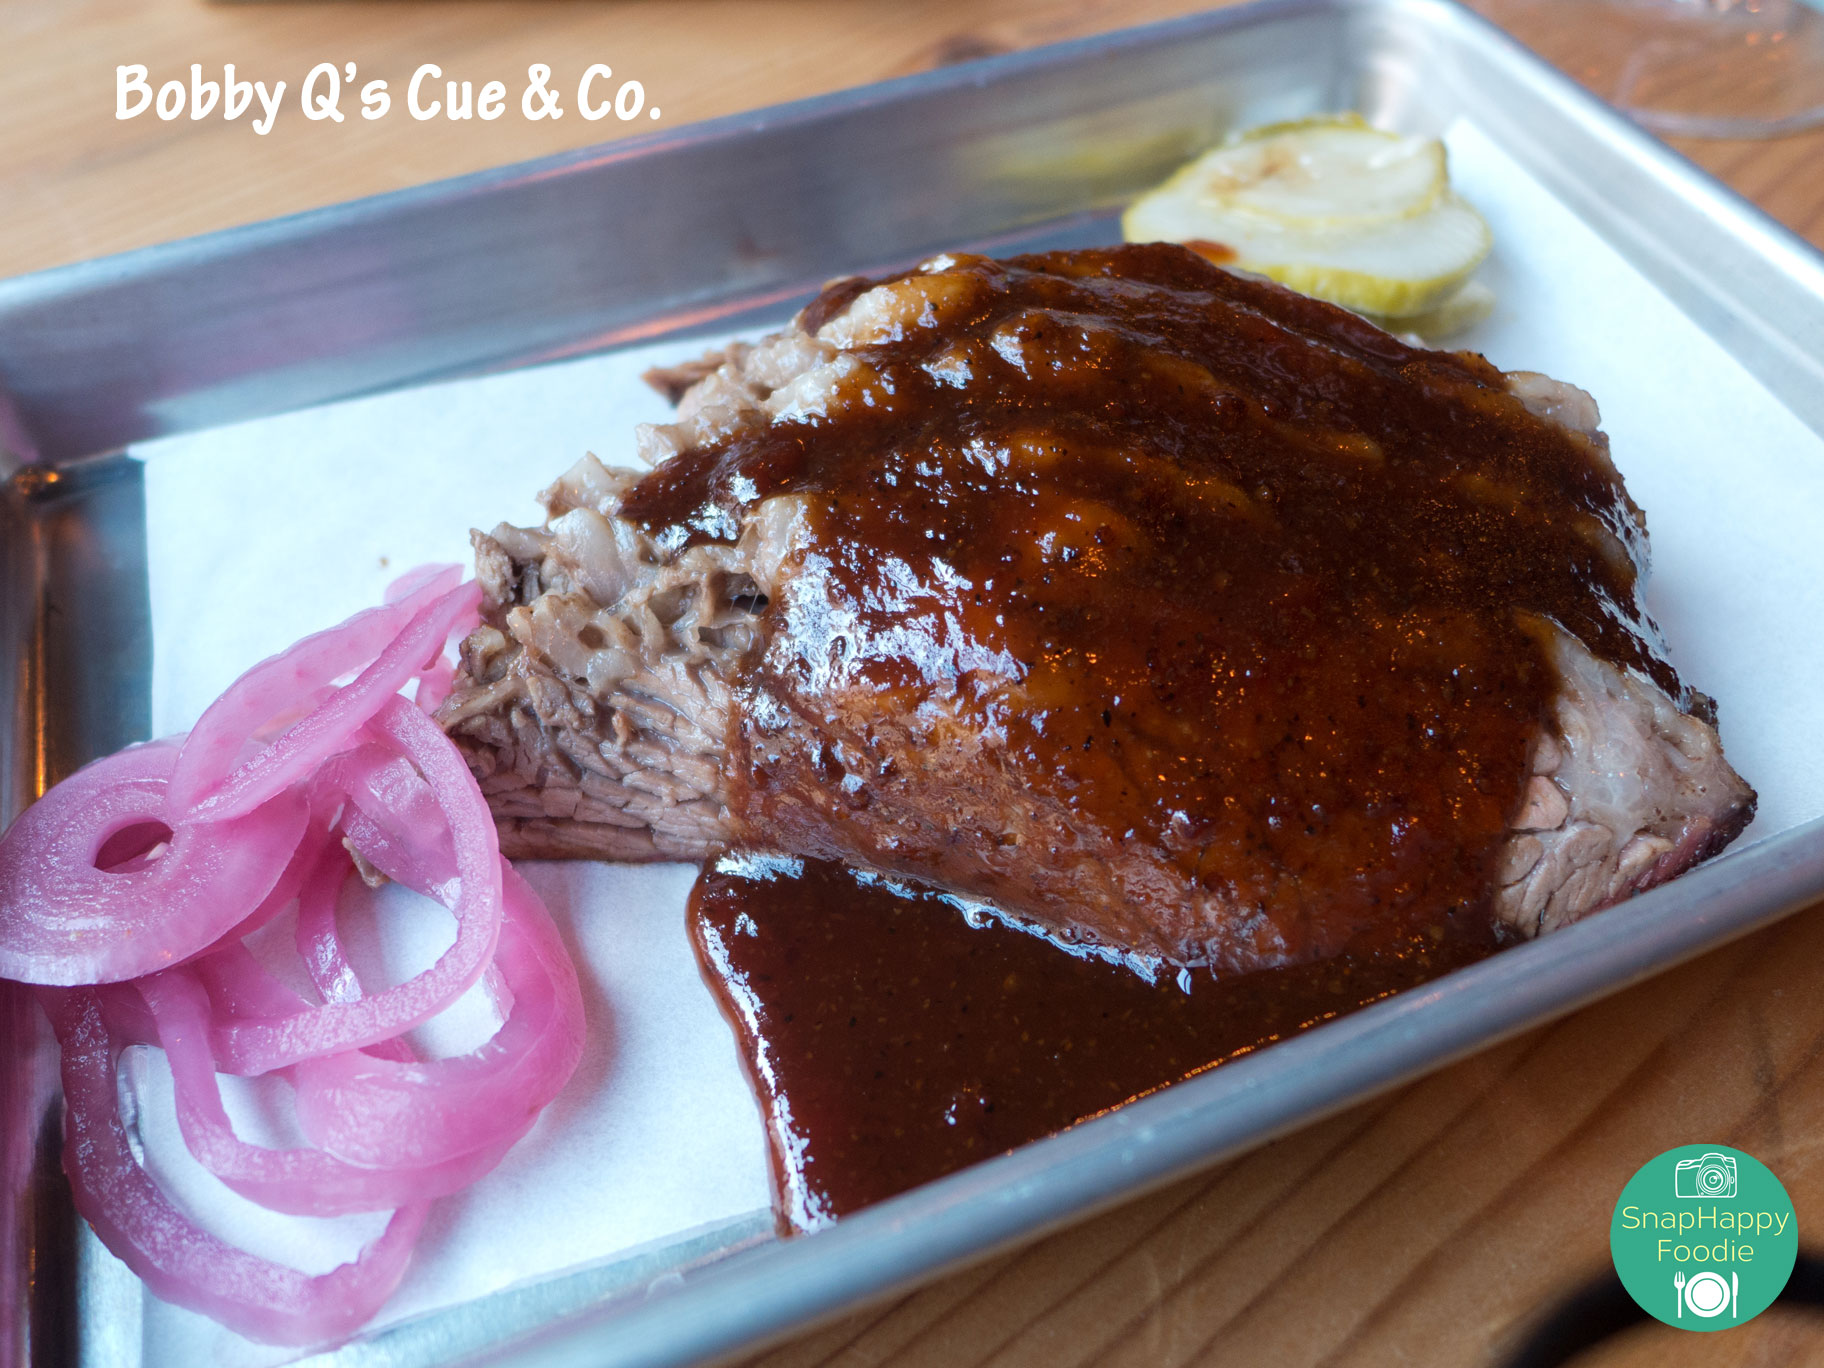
262	532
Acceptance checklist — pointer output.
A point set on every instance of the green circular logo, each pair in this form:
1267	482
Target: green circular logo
1704	1237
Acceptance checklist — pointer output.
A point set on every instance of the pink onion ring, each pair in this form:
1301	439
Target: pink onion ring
177	1259
140	875
240	985
435	577
393	820
318	833
255	1045
435	683
273	687
302	1182
330	727
436	679
388	1113
64	921
318	944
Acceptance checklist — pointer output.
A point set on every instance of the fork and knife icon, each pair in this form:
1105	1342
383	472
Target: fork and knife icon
1708	1295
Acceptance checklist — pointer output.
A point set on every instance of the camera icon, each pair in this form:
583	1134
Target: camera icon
1708	1175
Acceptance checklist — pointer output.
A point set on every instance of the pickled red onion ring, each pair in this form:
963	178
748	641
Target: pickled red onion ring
390	1113
275	685
333	976
176	1258
318	832
393	820
435	577
282	773
329	727
320	947
239	984
256	1045
436	679
301	1182
65	921
435	683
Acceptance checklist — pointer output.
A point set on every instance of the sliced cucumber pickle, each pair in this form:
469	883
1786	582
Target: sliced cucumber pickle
1332	207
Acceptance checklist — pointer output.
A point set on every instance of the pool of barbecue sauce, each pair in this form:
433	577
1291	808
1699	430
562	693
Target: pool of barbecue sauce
1239	586
891	1038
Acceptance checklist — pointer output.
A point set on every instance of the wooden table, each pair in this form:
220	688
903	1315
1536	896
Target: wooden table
1429	1226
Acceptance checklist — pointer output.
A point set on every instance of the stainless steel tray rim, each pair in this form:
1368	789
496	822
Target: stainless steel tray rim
202	370
974	74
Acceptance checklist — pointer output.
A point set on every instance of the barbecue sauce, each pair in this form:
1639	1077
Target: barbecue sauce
893	1037
1165	607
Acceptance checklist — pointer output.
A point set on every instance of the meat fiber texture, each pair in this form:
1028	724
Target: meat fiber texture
602	706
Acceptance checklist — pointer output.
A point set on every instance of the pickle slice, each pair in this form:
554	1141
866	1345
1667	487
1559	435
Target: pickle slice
1331	207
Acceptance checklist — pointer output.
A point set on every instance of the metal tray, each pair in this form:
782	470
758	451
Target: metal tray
700	229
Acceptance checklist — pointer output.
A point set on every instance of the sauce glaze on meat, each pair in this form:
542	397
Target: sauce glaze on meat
1117	579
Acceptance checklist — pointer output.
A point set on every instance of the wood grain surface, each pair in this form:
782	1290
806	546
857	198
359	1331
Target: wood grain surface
1432	1226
